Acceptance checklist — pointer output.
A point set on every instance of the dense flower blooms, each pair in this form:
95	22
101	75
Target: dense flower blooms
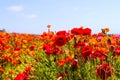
60	40
86	51
104	71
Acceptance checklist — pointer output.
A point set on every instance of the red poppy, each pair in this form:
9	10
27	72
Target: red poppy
86	51
60	40
87	31
104	71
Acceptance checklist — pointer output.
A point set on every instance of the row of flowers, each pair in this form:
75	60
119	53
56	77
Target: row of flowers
76	54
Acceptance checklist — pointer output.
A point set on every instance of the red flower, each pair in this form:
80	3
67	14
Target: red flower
31	48
79	44
98	54
77	31
46	46
1	70
17	48
86	51
117	51
61	33
103	57
0	52
60	40
104	71
74	63
61	62
21	76
50	50
28	69
87	31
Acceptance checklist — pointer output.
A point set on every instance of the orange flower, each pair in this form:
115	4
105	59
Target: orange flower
69	58
105	30
48	26
11	71
61	62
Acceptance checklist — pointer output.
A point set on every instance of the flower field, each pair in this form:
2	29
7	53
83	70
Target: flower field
76	54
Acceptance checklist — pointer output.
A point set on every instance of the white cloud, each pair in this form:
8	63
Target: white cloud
17	8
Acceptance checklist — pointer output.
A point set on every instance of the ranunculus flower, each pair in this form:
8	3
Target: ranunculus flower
74	63
79	44
32	48
117	51
98	54
28	69
21	76
1	70
87	31
86	51
50	50
60	40
61	62
104	71
61	33
77	31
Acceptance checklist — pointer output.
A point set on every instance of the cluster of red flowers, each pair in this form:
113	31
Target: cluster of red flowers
81	31
50	49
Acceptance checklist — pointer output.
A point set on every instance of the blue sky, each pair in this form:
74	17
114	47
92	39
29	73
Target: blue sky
32	16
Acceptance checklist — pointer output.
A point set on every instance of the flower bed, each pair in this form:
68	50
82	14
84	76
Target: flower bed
74	55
